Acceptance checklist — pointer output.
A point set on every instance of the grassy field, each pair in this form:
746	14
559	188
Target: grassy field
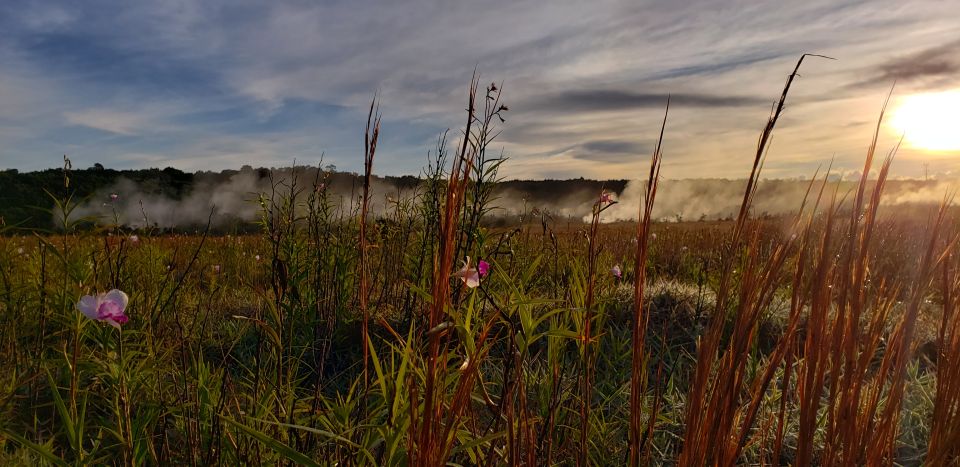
831	337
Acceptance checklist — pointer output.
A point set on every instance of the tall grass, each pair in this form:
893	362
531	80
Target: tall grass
641	320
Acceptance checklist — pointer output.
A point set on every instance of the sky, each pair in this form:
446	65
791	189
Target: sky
216	84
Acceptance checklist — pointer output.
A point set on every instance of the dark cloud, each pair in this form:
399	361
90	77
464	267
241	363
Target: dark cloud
720	66
609	150
932	64
601	100
613	146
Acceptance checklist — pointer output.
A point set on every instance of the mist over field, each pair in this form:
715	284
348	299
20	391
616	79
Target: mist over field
711	199
229	201
236	199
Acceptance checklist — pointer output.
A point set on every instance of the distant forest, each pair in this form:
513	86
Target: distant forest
26	198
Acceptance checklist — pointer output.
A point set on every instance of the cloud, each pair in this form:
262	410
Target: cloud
933	64
603	100
122	123
610	150
719	66
612	146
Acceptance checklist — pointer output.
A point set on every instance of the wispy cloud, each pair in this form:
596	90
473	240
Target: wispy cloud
123	123
928	67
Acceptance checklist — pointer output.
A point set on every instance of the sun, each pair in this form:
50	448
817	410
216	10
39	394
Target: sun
930	121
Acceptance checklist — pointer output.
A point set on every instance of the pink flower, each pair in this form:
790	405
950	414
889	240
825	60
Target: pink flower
257	257
616	272
134	239
606	197
114	196
107	307
483	268
468	275
216	268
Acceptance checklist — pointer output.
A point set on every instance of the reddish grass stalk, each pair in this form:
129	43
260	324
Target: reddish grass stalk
586	377
854	396
714	395
638	368
431	446
811	370
782	414
860	429
882	436
785	343
370	137
845	388
944	445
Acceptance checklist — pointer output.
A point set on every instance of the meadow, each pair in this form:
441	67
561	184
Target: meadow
432	334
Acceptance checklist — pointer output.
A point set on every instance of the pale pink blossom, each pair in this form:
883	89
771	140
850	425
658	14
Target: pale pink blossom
114	196
108	307
616	272
469	276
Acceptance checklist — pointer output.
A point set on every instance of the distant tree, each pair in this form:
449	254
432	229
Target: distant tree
98	166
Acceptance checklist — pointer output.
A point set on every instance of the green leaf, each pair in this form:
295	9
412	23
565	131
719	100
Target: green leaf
41	450
279	447
73	434
563	333
381	379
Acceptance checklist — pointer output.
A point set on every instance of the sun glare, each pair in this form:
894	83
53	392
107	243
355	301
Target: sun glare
930	121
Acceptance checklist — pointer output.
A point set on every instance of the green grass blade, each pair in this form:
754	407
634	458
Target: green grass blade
279	447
